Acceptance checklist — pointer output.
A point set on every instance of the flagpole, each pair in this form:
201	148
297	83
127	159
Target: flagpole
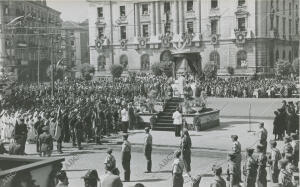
38	60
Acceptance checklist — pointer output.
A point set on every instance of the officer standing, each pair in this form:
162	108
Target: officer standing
236	149
126	157
274	158
262	136
21	133
261	180
46	142
78	131
148	149
250	169
186	144
38	126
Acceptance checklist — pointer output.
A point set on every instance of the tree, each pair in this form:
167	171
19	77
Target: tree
156	69
230	70
296	66
87	71
116	70
283	68
210	70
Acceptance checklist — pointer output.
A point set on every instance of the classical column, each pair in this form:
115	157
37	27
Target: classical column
153	19
137	19
175	17
198	16
181	20
158	18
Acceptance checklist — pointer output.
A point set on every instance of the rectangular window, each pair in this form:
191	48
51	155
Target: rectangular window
290	27
241	24
72	43
241	2
290	8
283	26
122	11
100	12
123	32
145	10
100	32
277	4
283	6
167	7
145	31
214	26
277	22
297	26
189	6
190	27
214	3
167	28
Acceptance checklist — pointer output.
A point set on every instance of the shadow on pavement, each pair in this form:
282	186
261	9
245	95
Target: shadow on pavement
224	125
149	180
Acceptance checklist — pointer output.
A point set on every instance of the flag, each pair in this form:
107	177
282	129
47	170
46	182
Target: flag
57	133
60	62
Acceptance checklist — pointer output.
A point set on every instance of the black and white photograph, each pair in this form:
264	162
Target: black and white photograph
149	93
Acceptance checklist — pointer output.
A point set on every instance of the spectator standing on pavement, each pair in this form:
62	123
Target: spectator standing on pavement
236	150
276	126
124	119
218	180
109	179
233	171
78	130
148	149
273	161
262	136
250	169
177	170
261	180
126	157
177	121
186	144
46	142
38	126
21	132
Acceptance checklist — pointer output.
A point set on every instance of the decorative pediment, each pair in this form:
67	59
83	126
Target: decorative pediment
166	39
241	12
100	22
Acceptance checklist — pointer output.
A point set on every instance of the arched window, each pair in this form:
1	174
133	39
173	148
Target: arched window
241	61
145	62
166	56
290	56
215	57
124	61
283	54
277	55
101	62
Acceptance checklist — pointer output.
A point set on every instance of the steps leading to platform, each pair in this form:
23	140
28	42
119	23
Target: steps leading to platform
164	119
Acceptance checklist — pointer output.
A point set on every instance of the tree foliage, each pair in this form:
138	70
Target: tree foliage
156	69
210	70
116	70
283	68
87	71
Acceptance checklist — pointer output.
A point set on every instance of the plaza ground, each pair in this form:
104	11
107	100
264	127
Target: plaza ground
208	147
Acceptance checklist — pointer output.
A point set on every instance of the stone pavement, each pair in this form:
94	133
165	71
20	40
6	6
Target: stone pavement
215	139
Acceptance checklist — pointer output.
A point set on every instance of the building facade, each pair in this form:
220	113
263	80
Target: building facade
246	35
30	32
75	45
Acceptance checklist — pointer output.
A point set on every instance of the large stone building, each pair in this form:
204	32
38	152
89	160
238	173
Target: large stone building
75	45
30	33
247	35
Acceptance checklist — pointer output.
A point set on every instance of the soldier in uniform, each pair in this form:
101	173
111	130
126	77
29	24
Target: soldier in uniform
233	171
218	180
78	130
236	150
46	142
250	169
262	136
21	131
126	157
273	160
261	179
287	148
38	126
186	144
148	149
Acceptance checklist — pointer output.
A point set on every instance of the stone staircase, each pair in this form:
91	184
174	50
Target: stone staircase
164	120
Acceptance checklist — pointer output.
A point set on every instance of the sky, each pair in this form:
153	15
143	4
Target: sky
71	10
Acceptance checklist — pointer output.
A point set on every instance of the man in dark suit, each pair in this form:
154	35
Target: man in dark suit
21	131
38	126
126	157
